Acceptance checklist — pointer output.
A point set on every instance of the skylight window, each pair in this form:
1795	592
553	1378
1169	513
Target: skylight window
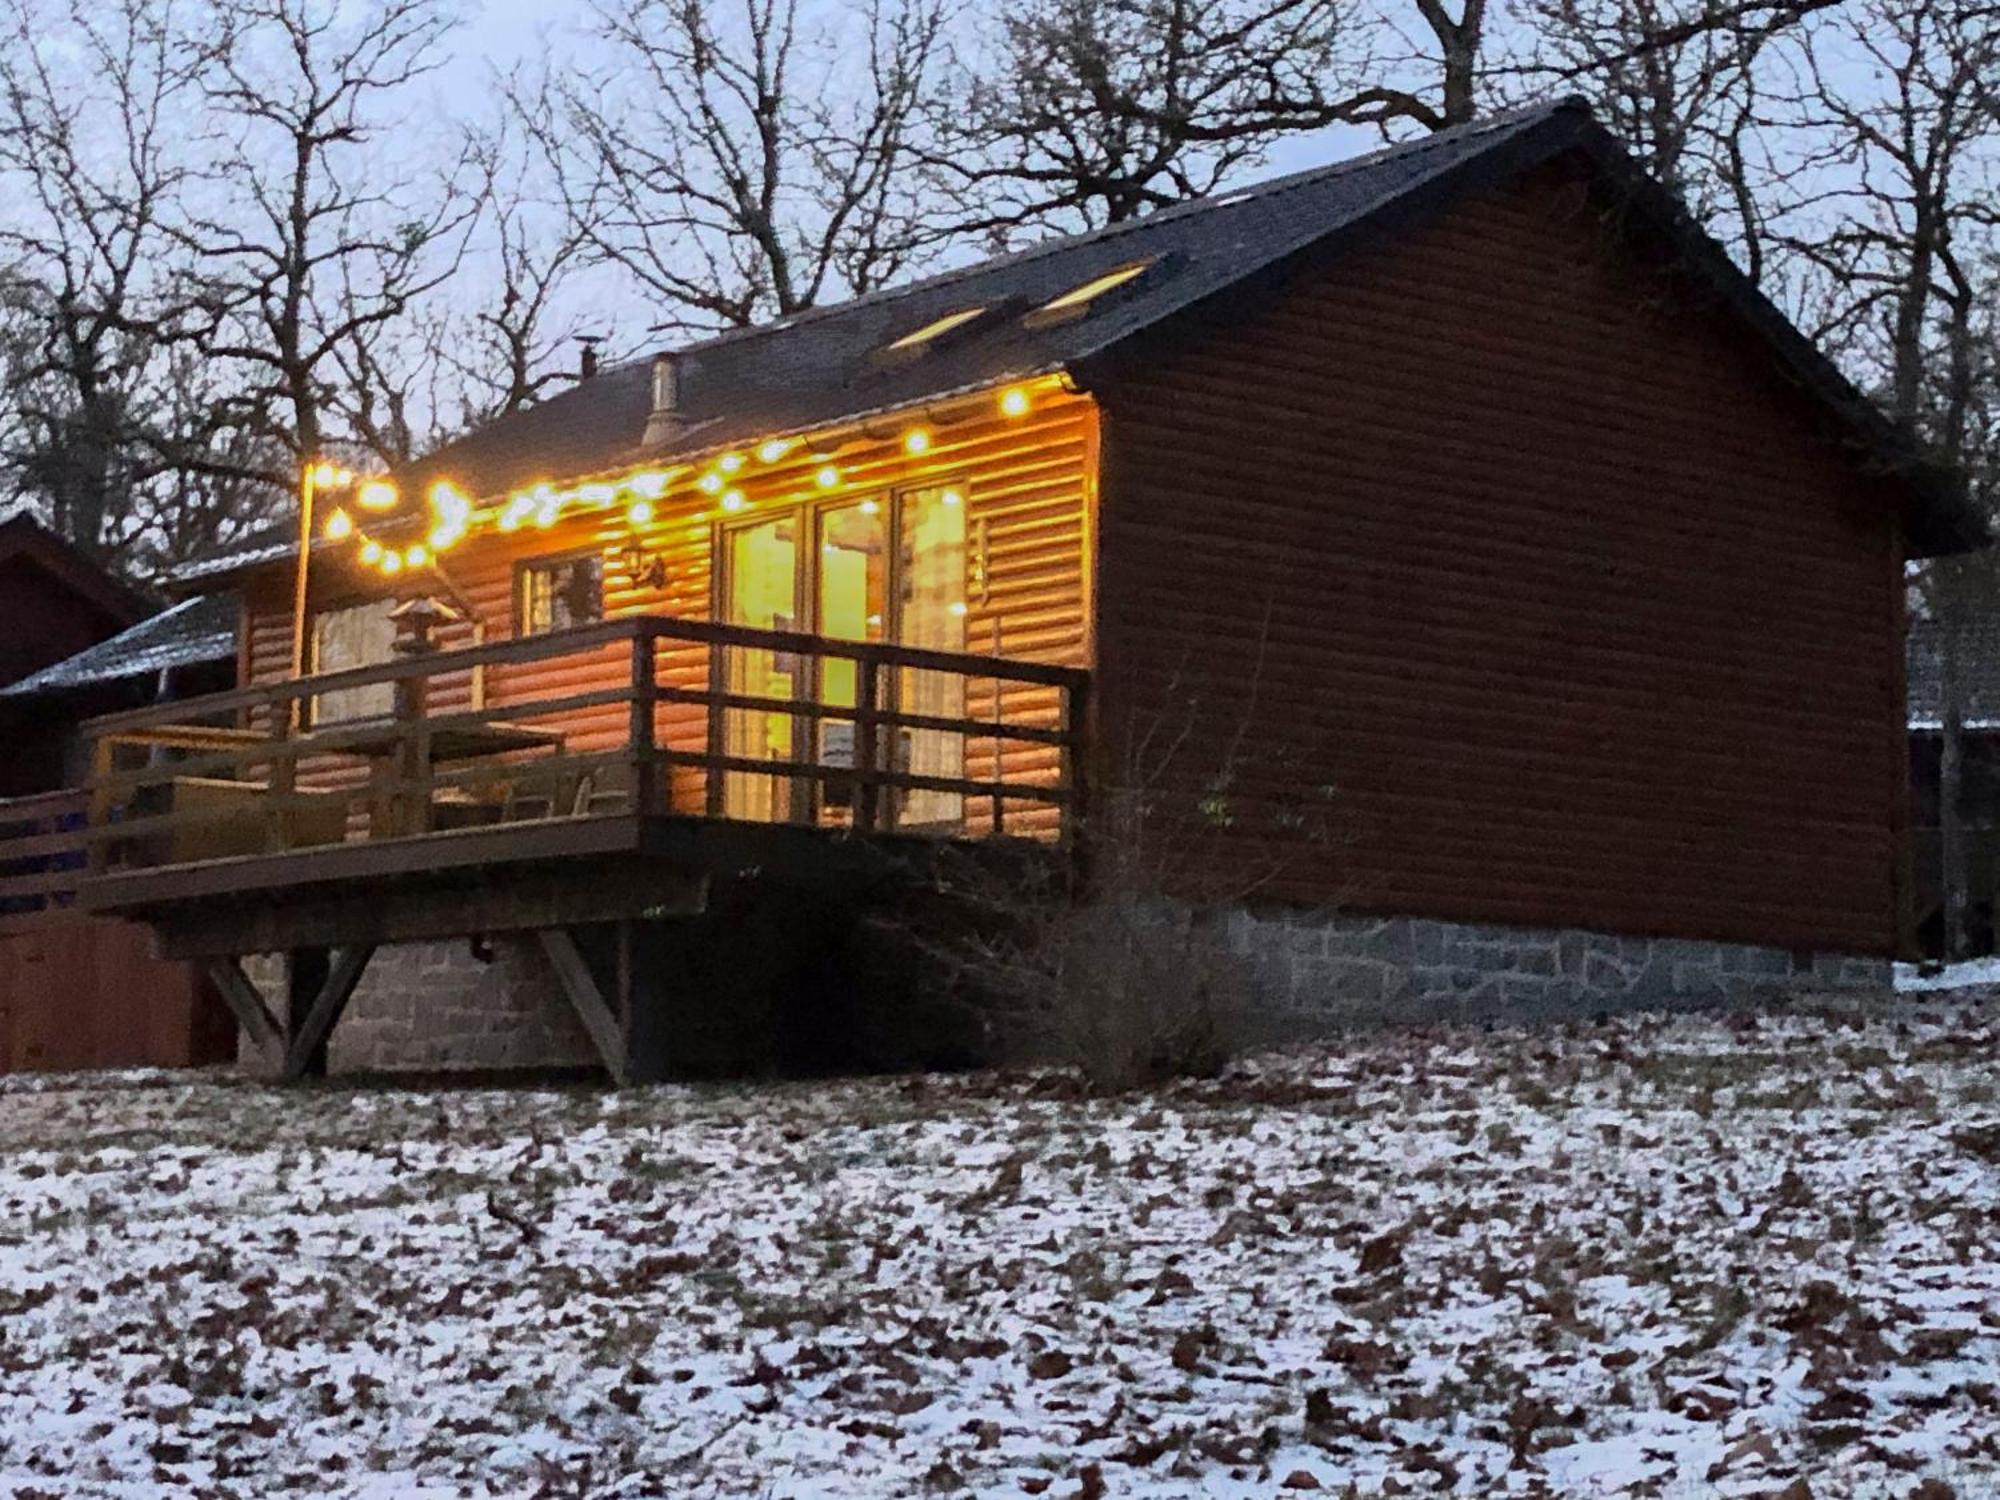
1078	298
917	338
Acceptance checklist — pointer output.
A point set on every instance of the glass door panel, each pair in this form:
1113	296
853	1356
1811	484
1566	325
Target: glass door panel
932	617
761	589
852	605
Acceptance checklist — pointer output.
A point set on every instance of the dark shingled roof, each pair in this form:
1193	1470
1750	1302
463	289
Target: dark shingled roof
823	367
1978	655
190	633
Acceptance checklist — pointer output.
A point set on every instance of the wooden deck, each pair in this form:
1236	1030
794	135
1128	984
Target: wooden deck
235	824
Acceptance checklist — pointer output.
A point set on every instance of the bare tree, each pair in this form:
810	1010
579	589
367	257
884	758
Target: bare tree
92	100
1088	112
324	235
520	319
747	165
1682	83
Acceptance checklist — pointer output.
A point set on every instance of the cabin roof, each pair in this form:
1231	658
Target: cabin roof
24	536
825	366
192	633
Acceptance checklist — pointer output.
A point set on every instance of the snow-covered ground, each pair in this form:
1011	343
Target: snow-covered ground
1689	1257
1973	973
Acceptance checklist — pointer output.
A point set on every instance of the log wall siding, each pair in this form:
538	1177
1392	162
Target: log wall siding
1534	569
1027	481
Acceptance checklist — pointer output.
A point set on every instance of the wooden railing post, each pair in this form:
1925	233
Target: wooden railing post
97	816
645	695
1075	758
718	739
866	755
284	780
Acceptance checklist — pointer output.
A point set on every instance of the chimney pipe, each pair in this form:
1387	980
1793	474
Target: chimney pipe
666	419
586	365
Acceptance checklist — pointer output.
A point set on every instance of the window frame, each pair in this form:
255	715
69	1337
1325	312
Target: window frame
523	566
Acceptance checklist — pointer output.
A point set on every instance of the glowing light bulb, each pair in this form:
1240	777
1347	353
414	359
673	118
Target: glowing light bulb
1014	402
734	501
417	555
596	494
828	477
776	448
870	507
917	441
339	526
729	463
377	494
371	551
951	497
516	512
649	486
391	564
709	483
958	606
639	512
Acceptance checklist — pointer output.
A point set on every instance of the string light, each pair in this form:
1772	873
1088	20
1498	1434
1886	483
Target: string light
709	483
729	463
951	497
639	512
870	507
391	564
371	551
776	448
828	477
1014	402
339	526
417	556
917	441
377	494
648	486
734	501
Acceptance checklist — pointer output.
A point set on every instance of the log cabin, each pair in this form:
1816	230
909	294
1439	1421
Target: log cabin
1498	600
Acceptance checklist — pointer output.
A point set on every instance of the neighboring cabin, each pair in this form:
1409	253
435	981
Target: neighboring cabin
54	602
1460	503
79	991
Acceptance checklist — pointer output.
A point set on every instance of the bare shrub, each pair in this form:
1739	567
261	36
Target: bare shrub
1121	964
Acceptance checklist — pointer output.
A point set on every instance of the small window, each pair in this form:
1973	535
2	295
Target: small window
916	338
361	635
560	592
1077	299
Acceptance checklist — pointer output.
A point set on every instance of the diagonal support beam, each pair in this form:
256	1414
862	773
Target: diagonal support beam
247	1005
326	1008
581	986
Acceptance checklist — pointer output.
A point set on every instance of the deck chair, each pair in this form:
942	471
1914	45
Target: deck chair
603	789
534	795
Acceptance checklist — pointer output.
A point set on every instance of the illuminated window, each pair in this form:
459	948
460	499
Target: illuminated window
1078	298
557	593
916	338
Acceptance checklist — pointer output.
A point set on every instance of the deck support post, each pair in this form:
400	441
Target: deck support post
305	976
247	1005
316	1009
580	985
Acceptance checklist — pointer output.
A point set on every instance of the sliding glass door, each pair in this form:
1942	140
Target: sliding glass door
850	583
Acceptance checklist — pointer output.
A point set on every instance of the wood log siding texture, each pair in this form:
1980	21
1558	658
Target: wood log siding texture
1539	565
1028	480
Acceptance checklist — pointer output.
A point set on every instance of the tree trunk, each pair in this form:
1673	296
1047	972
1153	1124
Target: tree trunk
1951	827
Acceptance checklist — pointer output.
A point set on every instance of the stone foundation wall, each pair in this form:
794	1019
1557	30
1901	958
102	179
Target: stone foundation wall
1315	969
436	1005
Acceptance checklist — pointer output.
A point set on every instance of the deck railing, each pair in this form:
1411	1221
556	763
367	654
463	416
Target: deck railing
639	716
43	845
